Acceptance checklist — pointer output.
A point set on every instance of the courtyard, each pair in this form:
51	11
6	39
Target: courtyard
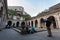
10	34
23	15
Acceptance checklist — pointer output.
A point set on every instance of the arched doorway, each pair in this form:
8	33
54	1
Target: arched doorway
23	25
42	23
17	24
36	23
9	23
31	23
52	18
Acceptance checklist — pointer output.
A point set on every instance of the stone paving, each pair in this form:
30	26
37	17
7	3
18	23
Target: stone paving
10	34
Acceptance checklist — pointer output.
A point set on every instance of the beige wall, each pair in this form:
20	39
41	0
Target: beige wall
55	15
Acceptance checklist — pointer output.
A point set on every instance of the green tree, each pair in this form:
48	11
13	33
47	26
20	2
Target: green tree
10	12
27	17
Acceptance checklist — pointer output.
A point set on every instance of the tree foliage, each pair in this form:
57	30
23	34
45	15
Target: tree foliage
27	17
10	12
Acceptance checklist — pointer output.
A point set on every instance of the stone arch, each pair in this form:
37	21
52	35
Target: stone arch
9	23
23	25
17	24
42	20
42	23
31	23
36	23
52	18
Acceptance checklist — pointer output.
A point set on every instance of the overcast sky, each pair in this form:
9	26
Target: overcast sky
33	7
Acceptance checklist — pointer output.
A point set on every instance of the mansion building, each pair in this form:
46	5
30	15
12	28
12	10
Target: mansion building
17	17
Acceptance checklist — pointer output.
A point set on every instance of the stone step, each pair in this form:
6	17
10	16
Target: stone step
17	30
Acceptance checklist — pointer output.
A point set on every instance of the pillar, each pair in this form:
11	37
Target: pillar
34	23
30	23
57	21
38	22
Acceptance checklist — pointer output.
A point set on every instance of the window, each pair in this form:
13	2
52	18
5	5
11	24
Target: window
14	17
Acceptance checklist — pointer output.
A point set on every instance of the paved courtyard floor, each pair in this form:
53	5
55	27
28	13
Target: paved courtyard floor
10	34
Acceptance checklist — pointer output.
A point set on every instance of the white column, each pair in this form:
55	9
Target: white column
34	23
30	23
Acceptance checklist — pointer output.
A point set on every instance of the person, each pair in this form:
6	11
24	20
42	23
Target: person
14	25
9	24
27	28
48	23
33	29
